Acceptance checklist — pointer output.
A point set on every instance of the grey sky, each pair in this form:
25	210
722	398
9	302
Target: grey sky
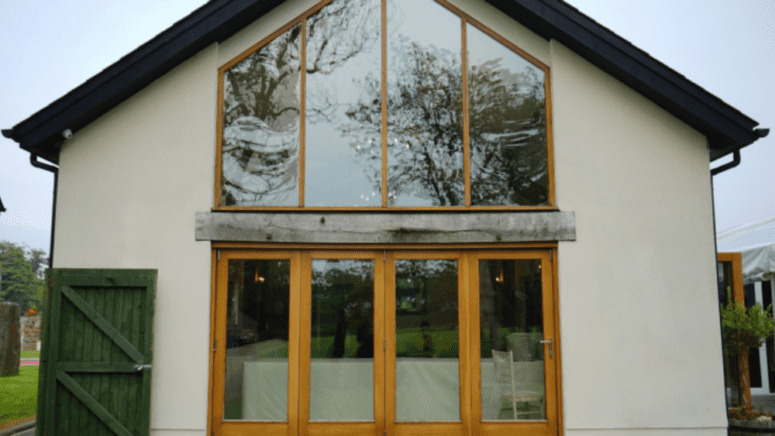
49	47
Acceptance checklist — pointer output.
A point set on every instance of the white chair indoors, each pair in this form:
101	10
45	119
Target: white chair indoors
512	386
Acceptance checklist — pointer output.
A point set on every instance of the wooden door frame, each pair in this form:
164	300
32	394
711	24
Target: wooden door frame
468	252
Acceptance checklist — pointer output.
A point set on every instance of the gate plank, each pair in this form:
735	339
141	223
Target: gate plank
111	367
51	350
103	324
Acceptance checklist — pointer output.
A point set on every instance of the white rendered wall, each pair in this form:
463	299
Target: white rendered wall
638	311
129	186
641	349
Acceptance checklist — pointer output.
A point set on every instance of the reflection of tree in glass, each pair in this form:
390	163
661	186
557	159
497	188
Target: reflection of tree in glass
261	103
507	136
507	130
425	118
337	33
261	117
341	285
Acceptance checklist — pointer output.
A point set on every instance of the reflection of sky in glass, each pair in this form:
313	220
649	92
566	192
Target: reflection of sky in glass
335	175
482	48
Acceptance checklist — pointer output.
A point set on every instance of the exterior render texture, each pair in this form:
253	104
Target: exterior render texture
397	217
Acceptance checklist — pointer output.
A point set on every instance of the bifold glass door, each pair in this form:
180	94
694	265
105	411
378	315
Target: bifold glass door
390	341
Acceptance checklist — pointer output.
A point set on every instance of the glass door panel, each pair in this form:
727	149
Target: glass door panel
511	331
342	340
427	343
256	370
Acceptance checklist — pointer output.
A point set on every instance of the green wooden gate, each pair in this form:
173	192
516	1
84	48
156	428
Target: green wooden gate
95	372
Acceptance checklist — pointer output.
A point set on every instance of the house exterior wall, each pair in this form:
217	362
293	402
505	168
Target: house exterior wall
640	340
129	186
639	314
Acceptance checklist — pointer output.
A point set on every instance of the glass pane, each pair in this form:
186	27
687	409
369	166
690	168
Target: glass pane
427	373
342	341
425	108
507	126
511	317
261	126
343	145
256	379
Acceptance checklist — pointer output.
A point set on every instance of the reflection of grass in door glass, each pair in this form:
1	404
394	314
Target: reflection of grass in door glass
273	349
409	343
323	346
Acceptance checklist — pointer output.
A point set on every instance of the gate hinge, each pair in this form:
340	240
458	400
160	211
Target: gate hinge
551	255
215	345
384	345
218	255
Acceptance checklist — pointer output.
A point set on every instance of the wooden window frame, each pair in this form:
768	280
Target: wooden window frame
467	256
464	20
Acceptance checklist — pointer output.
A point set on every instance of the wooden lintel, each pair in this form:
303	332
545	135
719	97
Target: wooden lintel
386	228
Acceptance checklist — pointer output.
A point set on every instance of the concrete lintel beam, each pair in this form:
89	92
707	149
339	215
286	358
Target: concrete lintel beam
385	228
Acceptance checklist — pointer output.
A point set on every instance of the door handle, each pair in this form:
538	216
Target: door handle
142	367
548	341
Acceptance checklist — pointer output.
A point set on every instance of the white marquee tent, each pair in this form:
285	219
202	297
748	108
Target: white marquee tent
756	242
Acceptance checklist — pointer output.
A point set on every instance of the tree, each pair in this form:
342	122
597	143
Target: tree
742	330
21	268
38	261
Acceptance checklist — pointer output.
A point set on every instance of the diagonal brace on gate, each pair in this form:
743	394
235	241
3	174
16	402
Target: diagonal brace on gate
92	404
103	324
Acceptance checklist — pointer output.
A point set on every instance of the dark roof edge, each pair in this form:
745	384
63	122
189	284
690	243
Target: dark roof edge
727	128
214	21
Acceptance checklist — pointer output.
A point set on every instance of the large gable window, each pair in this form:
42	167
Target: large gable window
384	104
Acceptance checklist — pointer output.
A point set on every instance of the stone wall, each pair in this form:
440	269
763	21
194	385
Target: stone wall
30	333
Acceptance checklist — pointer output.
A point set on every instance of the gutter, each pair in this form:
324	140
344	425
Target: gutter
761	133
55	171
67	134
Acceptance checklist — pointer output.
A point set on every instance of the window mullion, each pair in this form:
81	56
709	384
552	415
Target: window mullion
302	106
383	37
466	147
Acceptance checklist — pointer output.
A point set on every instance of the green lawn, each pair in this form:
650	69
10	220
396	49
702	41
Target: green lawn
19	394
30	354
